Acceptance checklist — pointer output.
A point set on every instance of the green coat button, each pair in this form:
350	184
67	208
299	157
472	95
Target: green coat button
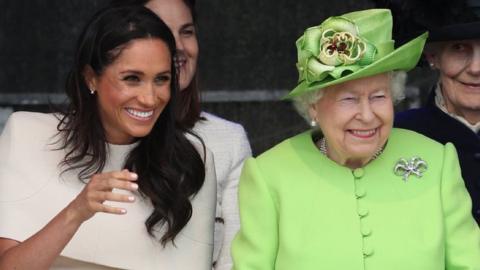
362	212
366	231
358	173
367	250
360	192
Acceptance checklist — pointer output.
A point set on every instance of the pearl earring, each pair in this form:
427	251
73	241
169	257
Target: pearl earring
92	91
313	123
432	65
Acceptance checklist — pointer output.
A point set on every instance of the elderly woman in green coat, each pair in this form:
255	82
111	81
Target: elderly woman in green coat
355	193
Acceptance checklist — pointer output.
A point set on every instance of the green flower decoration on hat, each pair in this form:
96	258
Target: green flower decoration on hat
332	44
342	48
351	46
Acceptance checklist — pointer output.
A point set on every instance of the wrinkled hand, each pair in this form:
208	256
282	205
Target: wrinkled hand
99	190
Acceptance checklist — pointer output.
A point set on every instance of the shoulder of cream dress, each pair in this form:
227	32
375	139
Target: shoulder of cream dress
33	191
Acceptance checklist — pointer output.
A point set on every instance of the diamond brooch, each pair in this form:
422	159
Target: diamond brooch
414	166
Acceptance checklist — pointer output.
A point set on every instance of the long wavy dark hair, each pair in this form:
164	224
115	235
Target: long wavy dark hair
169	167
189	107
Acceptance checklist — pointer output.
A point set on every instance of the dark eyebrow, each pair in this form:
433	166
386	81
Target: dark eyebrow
166	72
139	73
187	25
132	71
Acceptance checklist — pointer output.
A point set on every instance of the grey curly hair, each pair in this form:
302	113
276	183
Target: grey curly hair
397	87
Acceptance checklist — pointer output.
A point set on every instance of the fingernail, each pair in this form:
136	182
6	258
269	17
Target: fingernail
131	198
134	175
134	186
123	211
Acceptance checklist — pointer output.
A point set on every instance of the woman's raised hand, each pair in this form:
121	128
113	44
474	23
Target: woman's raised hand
100	189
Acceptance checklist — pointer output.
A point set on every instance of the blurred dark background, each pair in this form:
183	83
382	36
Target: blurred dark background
247	57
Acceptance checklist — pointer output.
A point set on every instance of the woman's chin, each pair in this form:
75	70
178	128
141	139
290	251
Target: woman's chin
184	81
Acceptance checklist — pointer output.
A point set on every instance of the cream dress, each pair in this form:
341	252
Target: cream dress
32	192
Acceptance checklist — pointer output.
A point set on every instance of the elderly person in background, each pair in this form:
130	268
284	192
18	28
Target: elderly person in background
355	193
452	112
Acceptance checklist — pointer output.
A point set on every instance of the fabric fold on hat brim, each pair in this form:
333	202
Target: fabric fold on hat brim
402	58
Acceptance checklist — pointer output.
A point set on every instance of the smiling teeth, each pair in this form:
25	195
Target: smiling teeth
139	113
364	132
179	61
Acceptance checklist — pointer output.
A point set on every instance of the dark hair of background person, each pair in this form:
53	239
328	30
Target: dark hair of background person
169	167
188	109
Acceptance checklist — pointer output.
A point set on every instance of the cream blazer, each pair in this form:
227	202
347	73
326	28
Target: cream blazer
32	192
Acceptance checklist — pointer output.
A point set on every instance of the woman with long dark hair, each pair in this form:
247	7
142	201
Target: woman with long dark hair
115	150
227	140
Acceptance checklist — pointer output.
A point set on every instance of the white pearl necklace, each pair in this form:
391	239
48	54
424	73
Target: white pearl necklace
323	149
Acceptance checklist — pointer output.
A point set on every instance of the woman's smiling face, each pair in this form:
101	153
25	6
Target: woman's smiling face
356	118
133	90
177	15
459	66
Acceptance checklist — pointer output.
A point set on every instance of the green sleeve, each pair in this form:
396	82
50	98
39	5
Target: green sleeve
462	237
255	245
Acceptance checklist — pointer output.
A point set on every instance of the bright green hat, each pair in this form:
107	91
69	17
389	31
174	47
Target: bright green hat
352	46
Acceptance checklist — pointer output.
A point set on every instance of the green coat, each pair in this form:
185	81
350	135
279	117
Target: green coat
299	210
